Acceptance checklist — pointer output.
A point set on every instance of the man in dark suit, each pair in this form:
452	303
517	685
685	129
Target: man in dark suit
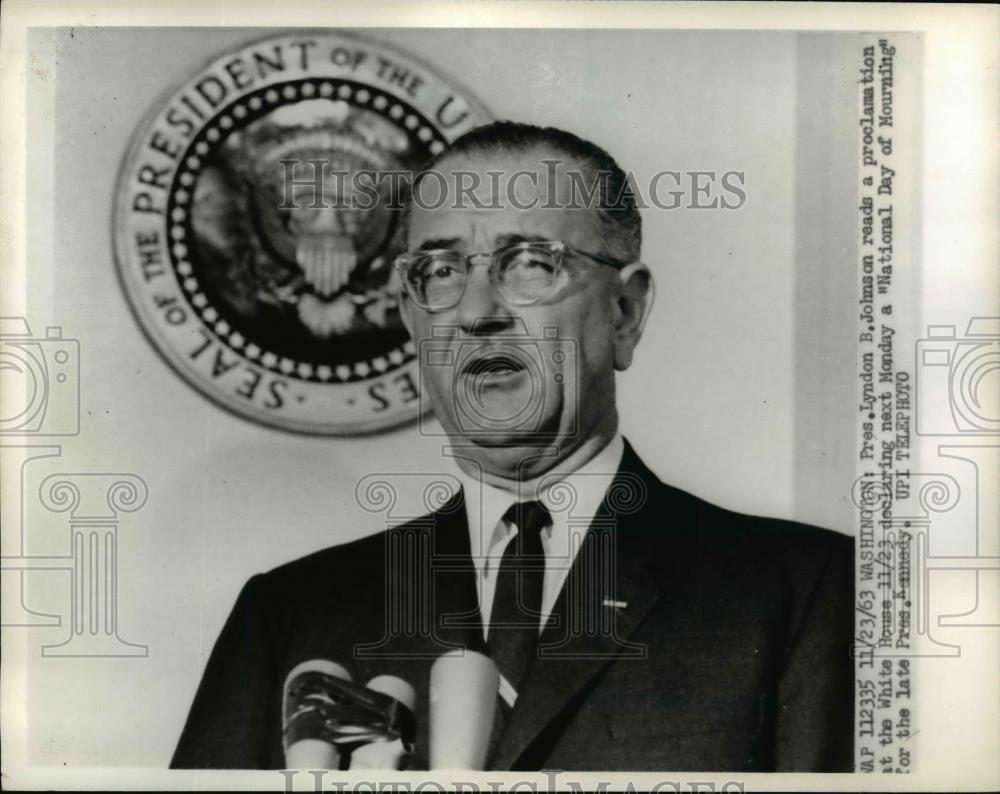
635	627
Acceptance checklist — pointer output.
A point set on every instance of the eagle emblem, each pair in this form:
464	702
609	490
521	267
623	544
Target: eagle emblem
258	212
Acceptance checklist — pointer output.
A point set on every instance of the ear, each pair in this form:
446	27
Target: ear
633	304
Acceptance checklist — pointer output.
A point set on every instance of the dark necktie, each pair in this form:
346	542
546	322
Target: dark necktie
517	604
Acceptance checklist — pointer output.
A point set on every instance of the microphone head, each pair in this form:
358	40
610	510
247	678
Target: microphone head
303	750
463	697
386	754
317	666
396	688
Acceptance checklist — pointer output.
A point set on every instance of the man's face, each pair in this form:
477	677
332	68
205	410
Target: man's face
508	378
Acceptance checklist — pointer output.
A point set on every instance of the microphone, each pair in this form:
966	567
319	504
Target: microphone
463	696
327	717
305	744
386	753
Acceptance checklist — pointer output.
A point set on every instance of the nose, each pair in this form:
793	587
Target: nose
481	312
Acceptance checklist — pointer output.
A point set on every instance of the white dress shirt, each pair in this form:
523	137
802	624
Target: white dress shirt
572	498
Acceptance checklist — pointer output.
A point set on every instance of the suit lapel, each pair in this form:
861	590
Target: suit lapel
607	595
437	599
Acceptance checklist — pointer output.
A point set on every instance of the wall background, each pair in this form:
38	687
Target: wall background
742	390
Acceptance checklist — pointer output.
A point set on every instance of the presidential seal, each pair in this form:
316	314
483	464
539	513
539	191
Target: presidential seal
257	216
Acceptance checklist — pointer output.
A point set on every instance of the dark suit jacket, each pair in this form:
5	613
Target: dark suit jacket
732	654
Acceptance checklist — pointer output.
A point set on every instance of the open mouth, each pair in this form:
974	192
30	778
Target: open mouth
492	363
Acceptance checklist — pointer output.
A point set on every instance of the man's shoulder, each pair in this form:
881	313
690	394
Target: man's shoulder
681	524
688	513
343	565
791	550
761	568
796	536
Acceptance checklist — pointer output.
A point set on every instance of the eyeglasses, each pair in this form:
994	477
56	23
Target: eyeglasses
523	273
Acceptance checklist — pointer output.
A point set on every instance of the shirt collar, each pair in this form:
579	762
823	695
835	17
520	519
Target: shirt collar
486	504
